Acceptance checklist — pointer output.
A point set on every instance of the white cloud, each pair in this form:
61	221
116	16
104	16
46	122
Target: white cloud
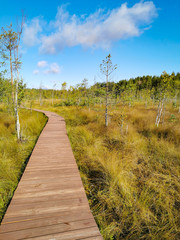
99	29
30	35
54	68
42	64
35	72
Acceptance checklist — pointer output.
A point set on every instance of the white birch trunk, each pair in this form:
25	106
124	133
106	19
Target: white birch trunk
106	112
16	109
159	114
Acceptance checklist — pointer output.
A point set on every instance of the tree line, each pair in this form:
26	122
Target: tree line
141	88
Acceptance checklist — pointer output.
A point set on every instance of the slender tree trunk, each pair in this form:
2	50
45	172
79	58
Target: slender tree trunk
107	69
106	112
40	97
146	104
127	129
52	97
17	113
160	111
18	128
122	123
164	112
11	70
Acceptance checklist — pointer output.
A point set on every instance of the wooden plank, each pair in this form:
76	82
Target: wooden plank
50	175
50	201
66	212
48	230
25	188
45	179
47	221
25	185
45	207
93	238
70	235
49	193
53	197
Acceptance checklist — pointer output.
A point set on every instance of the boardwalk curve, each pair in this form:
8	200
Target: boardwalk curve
50	202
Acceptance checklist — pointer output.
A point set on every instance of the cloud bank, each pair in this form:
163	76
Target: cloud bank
31	31
98	30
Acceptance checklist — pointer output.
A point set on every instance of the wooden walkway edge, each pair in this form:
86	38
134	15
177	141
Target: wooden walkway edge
50	202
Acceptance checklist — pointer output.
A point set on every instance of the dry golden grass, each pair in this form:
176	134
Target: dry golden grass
13	154
131	175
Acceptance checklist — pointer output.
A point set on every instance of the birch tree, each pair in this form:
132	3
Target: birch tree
165	91
106	68
10	42
17	65
53	93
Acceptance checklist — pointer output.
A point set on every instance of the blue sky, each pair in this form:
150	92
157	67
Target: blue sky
67	40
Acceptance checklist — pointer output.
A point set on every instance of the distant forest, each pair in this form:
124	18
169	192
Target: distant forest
139	88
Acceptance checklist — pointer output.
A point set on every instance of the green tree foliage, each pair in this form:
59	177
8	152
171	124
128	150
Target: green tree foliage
6	92
9	49
8	42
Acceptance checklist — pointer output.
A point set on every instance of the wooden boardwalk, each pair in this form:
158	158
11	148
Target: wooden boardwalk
50	202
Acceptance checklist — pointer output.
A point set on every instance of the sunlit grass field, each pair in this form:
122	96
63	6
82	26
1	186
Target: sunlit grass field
130	169
14	155
130	172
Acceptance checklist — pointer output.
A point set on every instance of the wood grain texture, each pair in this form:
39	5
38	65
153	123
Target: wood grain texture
50	201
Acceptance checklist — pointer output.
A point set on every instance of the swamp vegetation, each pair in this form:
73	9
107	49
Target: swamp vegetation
130	172
15	154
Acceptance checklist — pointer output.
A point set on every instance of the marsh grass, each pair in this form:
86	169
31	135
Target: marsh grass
14	155
131	177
